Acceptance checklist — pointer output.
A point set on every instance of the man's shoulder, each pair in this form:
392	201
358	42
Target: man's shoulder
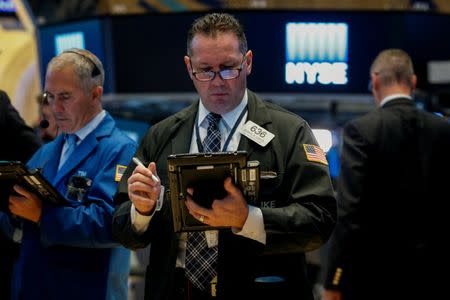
109	128
180	116
119	137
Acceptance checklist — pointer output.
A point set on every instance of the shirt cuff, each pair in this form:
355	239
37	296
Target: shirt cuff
140	222
254	226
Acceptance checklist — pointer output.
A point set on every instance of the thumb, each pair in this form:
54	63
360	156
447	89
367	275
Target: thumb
20	190
229	187
152	167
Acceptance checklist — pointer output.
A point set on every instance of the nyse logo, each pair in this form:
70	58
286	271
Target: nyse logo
316	53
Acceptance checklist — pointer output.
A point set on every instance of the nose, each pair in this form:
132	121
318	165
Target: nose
56	105
218	81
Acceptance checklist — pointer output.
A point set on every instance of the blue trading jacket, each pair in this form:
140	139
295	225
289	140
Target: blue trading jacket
71	254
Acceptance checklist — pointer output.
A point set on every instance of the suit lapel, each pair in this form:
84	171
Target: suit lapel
54	155
257	113
82	151
182	141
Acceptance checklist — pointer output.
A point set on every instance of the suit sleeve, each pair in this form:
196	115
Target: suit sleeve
350	184
306	211
19	143
161	222
22	141
122	227
88	224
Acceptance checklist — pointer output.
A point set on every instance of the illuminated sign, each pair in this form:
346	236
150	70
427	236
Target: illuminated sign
316	53
7	6
69	40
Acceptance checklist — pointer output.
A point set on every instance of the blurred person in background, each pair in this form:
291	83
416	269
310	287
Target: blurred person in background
19	143
68	252
46	128
388	242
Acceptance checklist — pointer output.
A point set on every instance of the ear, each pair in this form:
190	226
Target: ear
413	82
249	62
375	81
187	62
97	93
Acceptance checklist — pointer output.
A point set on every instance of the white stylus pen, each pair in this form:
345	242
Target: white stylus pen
139	163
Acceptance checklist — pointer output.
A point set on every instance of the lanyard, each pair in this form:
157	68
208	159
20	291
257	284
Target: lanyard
230	135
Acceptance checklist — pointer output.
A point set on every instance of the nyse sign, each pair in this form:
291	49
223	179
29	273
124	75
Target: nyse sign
316	53
323	73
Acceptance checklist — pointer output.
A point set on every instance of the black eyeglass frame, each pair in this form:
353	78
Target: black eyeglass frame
239	69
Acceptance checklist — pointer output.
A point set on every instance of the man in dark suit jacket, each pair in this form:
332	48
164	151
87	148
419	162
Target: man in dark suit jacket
297	204
19	142
388	240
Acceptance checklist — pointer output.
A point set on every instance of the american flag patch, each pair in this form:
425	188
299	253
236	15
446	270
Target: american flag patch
119	172
314	153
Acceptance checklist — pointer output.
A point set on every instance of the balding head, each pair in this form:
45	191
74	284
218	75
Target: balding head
392	72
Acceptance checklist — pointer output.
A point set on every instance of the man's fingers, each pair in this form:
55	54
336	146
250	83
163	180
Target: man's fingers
21	190
195	209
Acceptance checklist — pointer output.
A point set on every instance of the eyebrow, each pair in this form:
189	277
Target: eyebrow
59	94
226	65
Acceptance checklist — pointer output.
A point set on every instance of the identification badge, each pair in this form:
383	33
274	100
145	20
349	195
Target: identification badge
211	238
256	133
119	172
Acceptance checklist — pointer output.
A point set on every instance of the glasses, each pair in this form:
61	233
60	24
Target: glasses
225	74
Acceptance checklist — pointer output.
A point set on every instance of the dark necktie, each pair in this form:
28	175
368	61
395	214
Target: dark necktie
201	261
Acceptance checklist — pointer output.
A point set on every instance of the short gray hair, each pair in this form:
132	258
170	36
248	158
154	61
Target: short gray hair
214	23
393	66
84	62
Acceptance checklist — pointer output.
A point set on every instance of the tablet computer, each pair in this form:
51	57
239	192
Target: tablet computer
205	173
15	172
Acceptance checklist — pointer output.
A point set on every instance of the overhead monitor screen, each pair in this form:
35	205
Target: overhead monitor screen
64	41
316	53
82	34
7	6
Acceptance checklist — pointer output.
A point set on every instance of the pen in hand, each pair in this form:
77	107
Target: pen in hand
139	163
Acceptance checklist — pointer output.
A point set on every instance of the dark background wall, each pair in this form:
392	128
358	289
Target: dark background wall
144	53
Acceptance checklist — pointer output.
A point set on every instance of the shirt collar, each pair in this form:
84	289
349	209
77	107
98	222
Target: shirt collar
392	97
89	127
229	118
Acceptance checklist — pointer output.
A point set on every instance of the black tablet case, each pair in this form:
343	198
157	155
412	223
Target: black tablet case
15	172
206	172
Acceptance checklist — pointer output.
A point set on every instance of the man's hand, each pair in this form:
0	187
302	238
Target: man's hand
143	190
25	205
232	210
331	295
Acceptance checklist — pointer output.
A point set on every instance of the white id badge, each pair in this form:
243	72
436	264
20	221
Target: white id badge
256	133
212	238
